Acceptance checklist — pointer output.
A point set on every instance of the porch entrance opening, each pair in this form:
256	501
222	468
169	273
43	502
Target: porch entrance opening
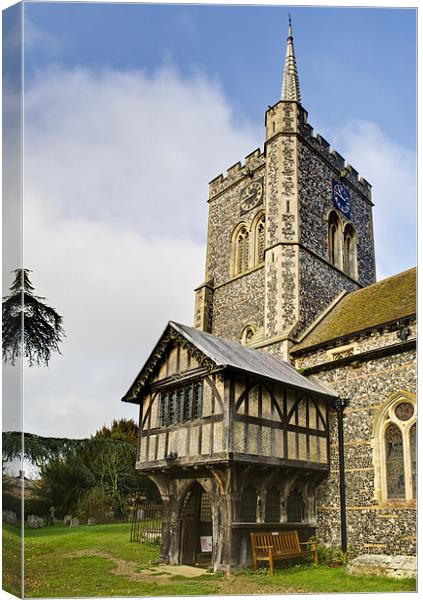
196	534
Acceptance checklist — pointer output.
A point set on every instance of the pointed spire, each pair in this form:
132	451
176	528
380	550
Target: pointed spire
290	83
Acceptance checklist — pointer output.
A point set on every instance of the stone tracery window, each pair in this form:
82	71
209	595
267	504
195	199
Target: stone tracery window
260	240
240	259
349	250
395	476
395	449
334	241
342	245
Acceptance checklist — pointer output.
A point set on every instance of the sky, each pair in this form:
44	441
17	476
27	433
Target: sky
129	111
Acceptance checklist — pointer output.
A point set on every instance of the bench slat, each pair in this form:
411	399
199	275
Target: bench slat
278	546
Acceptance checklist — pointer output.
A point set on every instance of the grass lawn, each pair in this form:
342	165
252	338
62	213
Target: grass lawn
100	561
12	559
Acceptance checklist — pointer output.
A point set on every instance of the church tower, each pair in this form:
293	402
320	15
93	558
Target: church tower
288	232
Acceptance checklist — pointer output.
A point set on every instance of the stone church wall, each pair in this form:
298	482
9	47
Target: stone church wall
239	303
224	216
374	526
320	284
315	196
378	338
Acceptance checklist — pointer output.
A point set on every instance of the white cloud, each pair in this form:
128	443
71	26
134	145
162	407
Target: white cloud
116	172
391	169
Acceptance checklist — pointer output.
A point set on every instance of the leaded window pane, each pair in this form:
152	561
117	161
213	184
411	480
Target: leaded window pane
205	508
295	509
404	411
273	506
163	409
249	506
196	407
260	252
172	409
242	251
413	457
181	404
395	476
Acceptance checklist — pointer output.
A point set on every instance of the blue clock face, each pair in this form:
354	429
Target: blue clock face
341	198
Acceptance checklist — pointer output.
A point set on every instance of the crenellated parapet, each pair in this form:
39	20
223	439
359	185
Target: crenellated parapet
344	170
253	161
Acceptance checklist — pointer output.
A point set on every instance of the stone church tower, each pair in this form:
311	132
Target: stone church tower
291	405
288	232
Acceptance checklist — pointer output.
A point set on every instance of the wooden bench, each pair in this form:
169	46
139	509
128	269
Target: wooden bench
282	545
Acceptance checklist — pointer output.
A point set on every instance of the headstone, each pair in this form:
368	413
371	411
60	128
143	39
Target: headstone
34	522
10	517
67	520
74	522
91	521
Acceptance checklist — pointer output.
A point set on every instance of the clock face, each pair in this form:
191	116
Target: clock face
341	198
251	196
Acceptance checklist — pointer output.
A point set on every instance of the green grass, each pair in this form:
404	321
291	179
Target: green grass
12	561
310	578
100	561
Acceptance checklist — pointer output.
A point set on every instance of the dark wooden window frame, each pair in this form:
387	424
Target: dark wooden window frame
181	403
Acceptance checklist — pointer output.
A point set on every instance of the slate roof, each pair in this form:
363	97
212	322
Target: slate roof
383	302
231	355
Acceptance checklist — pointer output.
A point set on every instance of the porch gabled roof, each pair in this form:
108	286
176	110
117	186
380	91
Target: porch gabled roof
225	354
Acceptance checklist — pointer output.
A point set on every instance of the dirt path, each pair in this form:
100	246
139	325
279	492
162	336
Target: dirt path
227	585
123	567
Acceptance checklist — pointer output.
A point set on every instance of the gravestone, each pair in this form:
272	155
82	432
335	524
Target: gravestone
74	522
10	517
34	522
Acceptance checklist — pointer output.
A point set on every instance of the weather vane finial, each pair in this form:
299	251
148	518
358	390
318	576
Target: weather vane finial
289	25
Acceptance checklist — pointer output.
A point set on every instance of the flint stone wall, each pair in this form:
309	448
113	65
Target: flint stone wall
373	527
315	197
239	303
224	216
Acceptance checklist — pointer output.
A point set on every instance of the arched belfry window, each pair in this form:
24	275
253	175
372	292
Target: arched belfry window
395	449
349	250
259	239
334	239
240	253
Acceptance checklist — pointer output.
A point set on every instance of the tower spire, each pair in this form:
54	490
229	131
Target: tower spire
290	83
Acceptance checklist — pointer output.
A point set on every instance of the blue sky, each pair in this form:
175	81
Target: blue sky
353	62
129	111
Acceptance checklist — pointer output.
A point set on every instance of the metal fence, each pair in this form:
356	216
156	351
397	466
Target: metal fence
146	522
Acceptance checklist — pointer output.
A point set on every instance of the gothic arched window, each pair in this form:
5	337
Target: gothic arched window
240	255
334	239
395	474
395	449
247	334
259	238
273	506
248	507
349	250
